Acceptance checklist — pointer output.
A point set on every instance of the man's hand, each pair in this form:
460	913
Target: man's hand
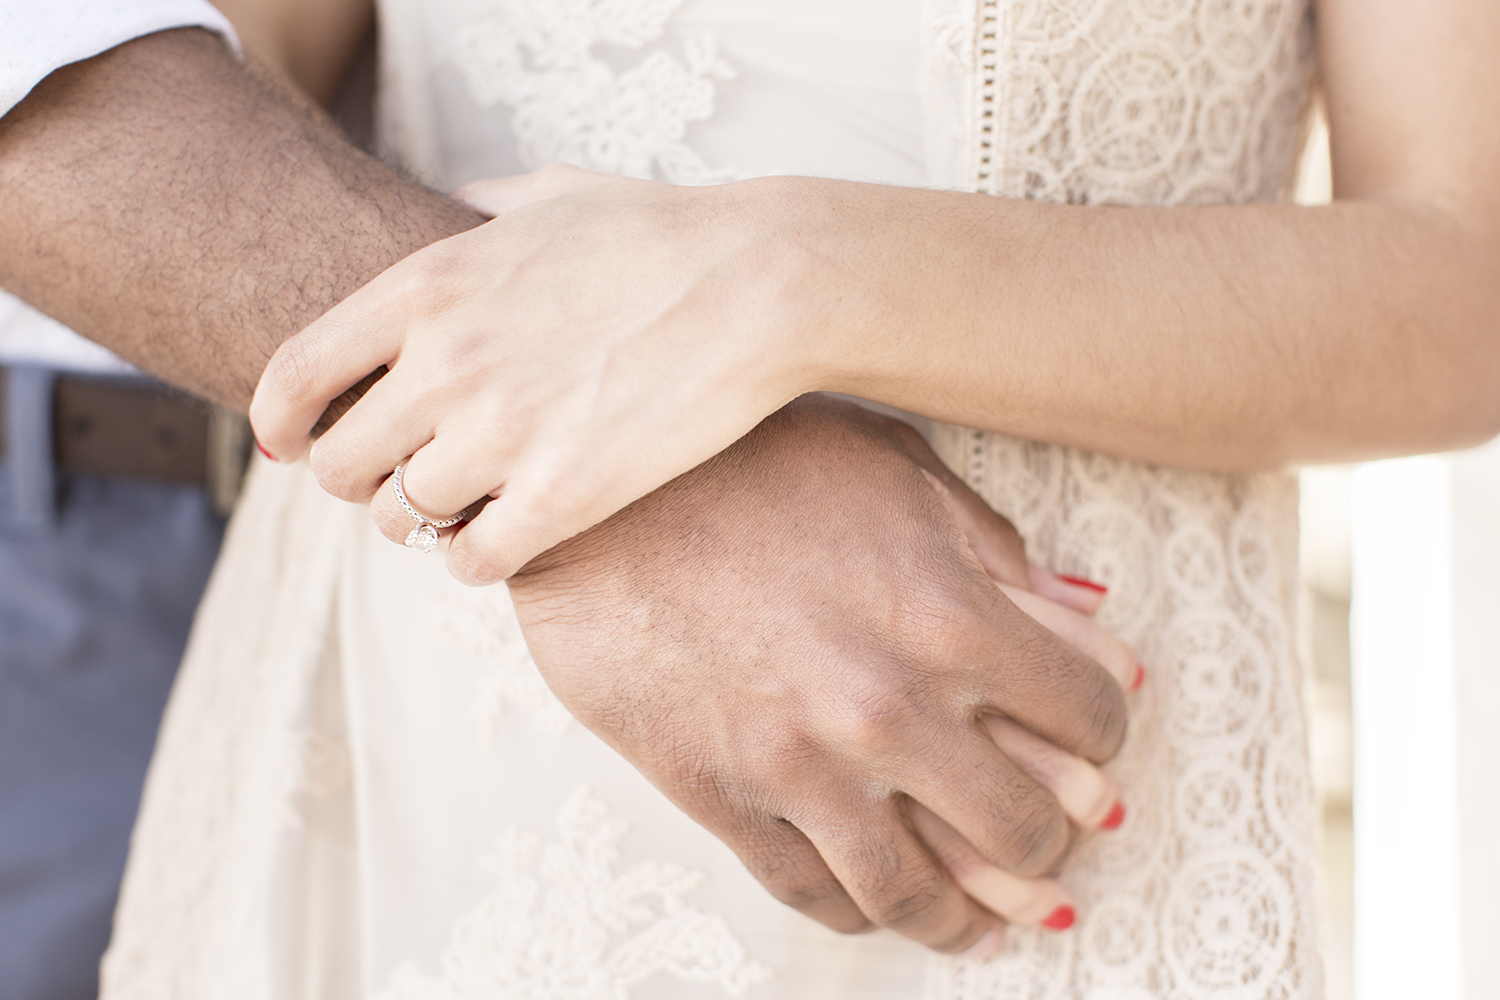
798	645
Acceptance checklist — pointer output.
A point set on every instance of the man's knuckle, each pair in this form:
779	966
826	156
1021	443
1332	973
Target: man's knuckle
1108	722
806	887
907	903
880	719
793	885
942	620
1034	838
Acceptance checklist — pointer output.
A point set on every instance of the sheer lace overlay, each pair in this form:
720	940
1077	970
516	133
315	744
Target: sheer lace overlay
561	924
353	733
236	756
572	106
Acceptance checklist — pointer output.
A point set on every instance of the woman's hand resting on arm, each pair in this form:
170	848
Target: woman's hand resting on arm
600	337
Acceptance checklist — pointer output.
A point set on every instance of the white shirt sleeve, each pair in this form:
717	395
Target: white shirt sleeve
37	37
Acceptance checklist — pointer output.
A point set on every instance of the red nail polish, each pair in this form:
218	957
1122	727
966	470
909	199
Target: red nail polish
1061	919
1140	678
1114	819
1079	581
262	449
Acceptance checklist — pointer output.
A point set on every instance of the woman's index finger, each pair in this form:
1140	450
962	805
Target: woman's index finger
335	352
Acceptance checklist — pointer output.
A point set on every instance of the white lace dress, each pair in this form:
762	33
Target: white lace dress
364	789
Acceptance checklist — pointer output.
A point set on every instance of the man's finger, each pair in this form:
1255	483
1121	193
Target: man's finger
1012	820
784	861
1083	634
1088	795
896	880
1037	901
1029	674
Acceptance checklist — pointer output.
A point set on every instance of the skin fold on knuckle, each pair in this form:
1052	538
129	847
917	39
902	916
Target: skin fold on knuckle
1071	700
1031	837
914	904
1108	720
805	886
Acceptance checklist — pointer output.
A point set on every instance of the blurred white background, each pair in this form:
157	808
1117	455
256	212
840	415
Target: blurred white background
1400	639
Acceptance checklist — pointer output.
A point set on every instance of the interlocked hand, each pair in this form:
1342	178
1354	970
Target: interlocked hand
803	644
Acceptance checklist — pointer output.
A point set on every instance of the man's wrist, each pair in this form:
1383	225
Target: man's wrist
167	204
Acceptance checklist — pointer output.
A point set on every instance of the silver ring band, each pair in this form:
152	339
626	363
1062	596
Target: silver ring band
424	537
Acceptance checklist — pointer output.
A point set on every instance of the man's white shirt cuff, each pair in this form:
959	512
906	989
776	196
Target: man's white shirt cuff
38	37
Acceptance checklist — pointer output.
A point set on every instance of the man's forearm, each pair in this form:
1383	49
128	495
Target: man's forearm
191	213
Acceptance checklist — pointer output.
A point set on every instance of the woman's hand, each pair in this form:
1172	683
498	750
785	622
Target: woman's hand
596	339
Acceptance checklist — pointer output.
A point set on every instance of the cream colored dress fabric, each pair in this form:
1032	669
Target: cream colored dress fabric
364	789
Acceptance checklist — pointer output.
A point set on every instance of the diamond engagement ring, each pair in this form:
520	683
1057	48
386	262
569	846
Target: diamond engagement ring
424	537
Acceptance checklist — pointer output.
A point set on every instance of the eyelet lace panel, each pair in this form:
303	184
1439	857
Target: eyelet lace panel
1207	889
1139	102
562	924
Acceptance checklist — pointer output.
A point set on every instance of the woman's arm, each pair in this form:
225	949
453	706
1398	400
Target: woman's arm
1226	337
312	42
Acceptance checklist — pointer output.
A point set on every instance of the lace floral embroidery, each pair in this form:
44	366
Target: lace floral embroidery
562	925
481	619
572	106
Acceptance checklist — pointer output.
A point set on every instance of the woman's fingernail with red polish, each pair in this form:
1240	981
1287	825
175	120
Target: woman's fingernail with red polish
1140	678
262	449
1114	819
1061	919
1079	581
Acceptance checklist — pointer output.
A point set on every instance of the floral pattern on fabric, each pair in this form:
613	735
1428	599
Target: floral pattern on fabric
562	924
573	106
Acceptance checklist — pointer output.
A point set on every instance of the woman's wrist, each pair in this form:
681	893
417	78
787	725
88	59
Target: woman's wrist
812	300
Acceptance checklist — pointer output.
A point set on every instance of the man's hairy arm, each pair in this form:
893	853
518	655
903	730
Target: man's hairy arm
190	212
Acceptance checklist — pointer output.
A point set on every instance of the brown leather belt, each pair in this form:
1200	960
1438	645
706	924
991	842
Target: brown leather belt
116	427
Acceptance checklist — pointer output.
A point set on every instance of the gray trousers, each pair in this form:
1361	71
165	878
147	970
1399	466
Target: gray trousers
98	582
